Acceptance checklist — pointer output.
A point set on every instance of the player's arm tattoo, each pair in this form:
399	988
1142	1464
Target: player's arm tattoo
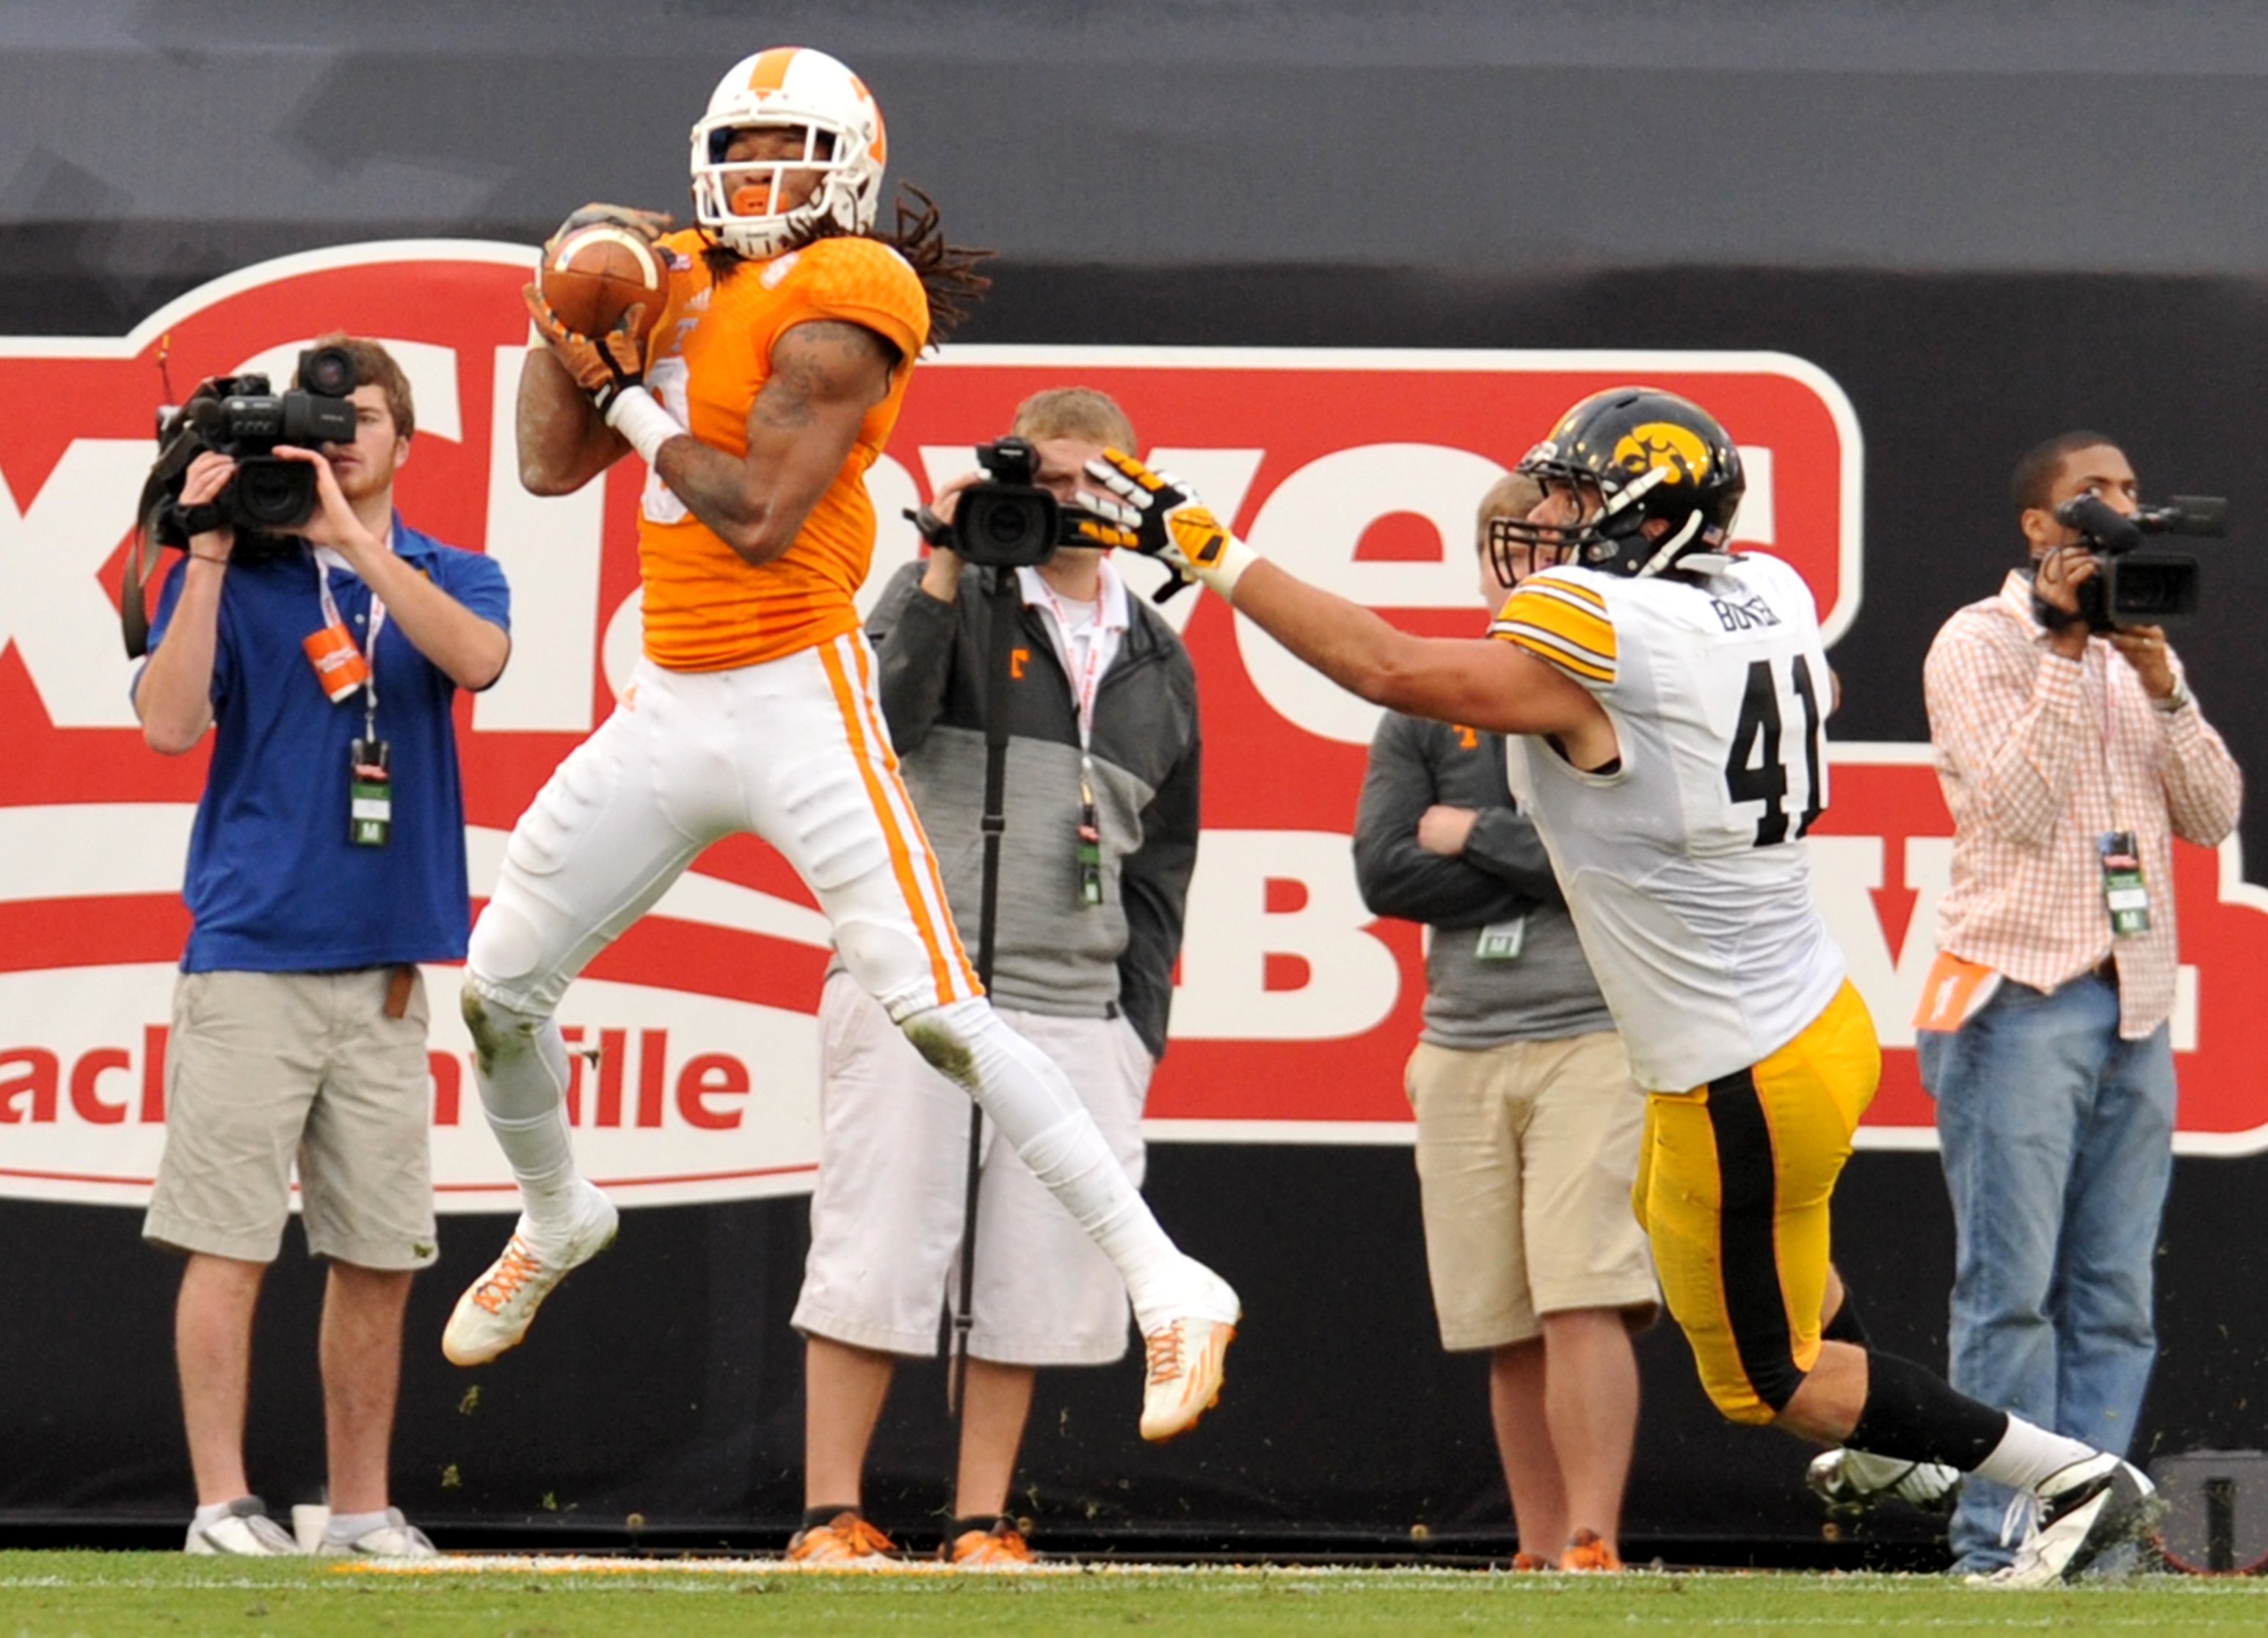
561	440
825	375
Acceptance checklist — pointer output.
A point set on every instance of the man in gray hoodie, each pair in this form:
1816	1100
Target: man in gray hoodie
1100	839
1529	1122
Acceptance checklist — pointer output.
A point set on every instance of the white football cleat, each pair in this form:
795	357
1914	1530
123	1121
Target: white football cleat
497	1310
1184	1354
1851	1481
2085	1509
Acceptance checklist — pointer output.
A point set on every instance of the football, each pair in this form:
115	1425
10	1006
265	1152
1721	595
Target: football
594	275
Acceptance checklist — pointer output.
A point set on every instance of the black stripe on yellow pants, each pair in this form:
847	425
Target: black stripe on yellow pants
1734	1186
1748	1241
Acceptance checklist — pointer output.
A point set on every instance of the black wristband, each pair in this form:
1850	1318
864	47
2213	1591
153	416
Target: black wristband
201	518
2053	618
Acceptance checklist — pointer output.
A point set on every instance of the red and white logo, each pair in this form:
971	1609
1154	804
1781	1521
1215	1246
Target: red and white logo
1359	470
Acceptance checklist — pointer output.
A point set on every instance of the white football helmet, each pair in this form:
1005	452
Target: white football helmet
788	88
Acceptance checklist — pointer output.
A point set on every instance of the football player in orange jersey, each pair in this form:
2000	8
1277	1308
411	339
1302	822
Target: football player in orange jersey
766	387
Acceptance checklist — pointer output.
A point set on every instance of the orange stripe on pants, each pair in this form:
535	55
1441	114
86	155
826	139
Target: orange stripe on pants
863	743
864	655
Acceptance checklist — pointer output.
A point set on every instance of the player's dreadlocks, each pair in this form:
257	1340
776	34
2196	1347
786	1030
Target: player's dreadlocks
947	271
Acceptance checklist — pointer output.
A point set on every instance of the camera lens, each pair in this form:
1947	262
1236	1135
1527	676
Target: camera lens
272	494
2152	589
1006	525
329	371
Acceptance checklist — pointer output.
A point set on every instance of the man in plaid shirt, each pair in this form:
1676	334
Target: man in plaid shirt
2070	759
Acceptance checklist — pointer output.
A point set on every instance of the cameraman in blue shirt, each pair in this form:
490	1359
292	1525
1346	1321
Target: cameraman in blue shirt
328	858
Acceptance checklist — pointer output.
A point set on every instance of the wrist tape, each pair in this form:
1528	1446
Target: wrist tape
638	415
1226	566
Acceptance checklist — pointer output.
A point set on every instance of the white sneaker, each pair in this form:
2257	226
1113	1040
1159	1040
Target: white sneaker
396	1539
244	1531
2085	1509
1185	1352
497	1310
1851	1481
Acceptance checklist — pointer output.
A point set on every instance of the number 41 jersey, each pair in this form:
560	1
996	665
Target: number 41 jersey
1682	863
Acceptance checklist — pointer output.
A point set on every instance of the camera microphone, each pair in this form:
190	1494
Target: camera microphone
2206	515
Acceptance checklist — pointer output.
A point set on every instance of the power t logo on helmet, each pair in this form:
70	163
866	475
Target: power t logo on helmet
810	149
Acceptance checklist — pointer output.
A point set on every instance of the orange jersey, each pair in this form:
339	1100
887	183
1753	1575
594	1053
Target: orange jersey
707	609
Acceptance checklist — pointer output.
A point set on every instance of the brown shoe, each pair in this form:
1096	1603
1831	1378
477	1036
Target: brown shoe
846	1541
1586	1551
1002	1547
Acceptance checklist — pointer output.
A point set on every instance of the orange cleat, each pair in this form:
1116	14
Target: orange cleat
1002	1547
1588	1551
846	1541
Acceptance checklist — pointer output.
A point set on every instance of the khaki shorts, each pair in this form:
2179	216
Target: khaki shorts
885	1260
264	1068
1526	1155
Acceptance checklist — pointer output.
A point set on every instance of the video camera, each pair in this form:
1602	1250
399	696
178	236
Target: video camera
2132	587
269	496
1007	521
237	415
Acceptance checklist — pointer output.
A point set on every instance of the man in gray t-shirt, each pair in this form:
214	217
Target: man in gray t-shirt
1528	1123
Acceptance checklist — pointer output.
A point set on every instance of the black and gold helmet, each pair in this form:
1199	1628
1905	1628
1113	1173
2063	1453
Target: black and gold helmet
1635	454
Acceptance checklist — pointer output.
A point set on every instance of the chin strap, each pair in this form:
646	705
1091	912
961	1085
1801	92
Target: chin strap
1666	555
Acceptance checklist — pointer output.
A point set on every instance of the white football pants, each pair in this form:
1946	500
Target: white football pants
794	750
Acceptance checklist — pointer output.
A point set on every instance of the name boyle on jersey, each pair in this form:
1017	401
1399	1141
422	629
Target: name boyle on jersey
1743	617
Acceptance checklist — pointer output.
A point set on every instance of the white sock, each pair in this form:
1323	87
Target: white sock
522	1076
346	1527
2028	1454
1025	1095
214	1512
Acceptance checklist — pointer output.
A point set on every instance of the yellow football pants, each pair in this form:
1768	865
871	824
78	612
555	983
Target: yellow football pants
1733	1187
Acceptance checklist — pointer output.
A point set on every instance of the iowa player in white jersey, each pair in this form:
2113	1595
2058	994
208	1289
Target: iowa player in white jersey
1672	697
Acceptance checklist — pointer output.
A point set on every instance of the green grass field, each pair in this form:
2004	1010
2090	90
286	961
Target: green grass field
53	1594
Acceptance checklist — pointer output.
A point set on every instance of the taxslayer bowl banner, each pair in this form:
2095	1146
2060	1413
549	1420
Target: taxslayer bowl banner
695	1073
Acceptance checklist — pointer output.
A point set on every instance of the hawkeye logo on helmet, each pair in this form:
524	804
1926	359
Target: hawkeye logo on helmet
1662	447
